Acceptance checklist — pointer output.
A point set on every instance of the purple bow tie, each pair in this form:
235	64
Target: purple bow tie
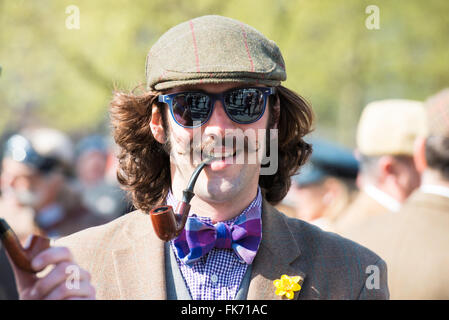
243	236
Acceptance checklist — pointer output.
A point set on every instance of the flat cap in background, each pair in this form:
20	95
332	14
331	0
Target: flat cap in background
390	127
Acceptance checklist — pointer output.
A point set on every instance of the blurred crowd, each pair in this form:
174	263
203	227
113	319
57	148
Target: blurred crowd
390	194
53	186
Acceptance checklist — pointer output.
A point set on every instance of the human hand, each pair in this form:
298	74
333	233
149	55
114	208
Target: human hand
65	281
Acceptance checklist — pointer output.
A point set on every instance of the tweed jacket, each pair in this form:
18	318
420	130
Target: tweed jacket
126	260
415	244
362	208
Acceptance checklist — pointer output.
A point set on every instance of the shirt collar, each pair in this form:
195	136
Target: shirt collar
435	189
383	198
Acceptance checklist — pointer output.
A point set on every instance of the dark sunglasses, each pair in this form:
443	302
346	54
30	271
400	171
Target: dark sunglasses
193	108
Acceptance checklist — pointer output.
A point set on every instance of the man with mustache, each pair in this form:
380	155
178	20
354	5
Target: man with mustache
214	78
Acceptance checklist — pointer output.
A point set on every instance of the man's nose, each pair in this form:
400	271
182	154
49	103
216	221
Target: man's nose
219	121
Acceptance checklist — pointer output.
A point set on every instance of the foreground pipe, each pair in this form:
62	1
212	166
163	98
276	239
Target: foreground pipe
166	223
21	256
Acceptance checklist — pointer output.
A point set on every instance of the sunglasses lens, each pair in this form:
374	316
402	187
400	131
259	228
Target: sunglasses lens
191	109
245	105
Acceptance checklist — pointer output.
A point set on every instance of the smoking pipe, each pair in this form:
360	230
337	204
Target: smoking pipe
21	256
166	223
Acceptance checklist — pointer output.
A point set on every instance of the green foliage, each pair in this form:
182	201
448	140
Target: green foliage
64	78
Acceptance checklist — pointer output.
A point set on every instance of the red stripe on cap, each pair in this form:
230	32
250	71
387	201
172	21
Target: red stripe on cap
195	47
246	46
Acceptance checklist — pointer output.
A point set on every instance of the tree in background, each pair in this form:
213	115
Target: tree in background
63	77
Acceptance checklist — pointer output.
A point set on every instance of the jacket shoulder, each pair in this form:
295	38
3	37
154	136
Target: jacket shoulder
99	231
107	237
339	268
324	242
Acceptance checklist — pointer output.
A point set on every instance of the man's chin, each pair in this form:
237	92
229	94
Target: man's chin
215	195
224	184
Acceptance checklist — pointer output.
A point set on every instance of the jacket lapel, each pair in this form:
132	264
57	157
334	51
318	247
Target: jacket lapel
277	252
139	265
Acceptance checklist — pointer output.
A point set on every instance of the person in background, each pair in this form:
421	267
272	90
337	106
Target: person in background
415	241
8	289
324	186
103	197
37	174
385	135
91	158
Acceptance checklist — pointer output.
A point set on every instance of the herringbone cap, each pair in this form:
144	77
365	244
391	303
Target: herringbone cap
437	108
213	49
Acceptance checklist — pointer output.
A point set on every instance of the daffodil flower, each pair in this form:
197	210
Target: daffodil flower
287	286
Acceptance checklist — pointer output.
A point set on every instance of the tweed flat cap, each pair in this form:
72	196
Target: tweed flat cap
437	108
390	127
213	49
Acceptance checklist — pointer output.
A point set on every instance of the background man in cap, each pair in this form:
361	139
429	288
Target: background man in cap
324	186
213	76
385	135
101	196
37	168
415	241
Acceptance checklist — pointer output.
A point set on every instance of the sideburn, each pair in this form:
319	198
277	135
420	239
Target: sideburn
166	146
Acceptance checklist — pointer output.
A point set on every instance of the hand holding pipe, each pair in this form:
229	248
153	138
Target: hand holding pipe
19	255
166	223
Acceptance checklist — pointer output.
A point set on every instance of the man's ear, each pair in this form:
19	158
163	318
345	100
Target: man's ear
419	154
385	167
334	189
157	126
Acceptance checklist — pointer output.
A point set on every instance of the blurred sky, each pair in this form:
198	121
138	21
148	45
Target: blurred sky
61	77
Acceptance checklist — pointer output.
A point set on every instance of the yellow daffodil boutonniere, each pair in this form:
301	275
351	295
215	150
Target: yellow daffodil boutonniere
287	285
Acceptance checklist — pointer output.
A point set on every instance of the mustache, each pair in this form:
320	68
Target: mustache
235	143
203	147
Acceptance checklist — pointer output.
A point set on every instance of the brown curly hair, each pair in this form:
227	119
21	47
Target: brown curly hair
144	163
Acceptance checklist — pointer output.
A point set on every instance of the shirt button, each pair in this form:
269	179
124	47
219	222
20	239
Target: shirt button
214	278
